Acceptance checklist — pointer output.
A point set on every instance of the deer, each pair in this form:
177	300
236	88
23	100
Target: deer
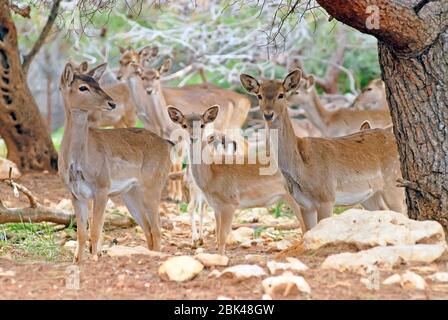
372	97
124	115
96	164
228	187
335	123
360	168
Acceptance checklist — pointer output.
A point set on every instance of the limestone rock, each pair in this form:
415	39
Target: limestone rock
293	264
180	268
411	280
243	271
285	284
366	229
439	277
396	278
383	257
212	260
240	235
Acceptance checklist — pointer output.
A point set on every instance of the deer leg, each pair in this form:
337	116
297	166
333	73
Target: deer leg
325	210
225	214
80	207
153	218
203	210
191	210
296	209
309	217
136	209
99	205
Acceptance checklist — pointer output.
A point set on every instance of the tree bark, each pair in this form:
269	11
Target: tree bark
413	54
21	125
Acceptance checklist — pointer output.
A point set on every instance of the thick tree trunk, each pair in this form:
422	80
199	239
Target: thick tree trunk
21	125
413	51
417	90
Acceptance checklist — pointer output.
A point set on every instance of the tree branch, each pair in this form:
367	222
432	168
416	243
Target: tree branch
400	26
42	37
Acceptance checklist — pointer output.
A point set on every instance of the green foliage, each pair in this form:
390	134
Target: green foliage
183	207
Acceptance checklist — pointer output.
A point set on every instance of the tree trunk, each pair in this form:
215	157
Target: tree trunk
418	101
413	51
21	125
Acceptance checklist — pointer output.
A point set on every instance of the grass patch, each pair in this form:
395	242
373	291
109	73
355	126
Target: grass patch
37	241
280	209
183	207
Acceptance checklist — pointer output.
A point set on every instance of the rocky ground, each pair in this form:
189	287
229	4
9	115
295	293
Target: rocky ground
35	260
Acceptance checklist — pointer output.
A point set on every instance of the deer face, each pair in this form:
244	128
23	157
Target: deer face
372	94
151	77
193	123
82	91
132	61
303	94
271	94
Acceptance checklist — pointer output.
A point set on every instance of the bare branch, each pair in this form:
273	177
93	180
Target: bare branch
42	37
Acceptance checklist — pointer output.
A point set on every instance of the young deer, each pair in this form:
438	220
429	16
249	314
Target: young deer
228	187
372	97
335	123
358	168
98	163
124	115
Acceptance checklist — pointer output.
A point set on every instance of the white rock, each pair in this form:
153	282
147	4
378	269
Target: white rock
366	229
439	277
293	264
71	245
411	280
181	268
223	298
393	279
212	260
243	271
266	297
64	204
8	273
240	235
124	251
383	257
5	164
286	284
282	245
215	273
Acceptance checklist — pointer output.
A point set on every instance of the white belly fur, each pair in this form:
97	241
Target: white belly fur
122	186
351	198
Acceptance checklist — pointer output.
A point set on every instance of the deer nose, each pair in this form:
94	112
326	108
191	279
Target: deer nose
268	116
111	105
119	77
149	91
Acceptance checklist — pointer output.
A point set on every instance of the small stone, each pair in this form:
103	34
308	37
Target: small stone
124	251
71	245
240	235
8	273
286	284
293	264
393	279
212	260
439	277
266	297
182	268
411	280
223	298
243	271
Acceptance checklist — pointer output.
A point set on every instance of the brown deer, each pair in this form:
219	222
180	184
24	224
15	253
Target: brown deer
228	187
335	123
99	163
361	168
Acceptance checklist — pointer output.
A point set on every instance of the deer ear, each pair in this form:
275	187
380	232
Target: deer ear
365	125
148	52
97	73
165	67
83	66
122	50
210	114
175	114
249	83
309	81
68	75
292	80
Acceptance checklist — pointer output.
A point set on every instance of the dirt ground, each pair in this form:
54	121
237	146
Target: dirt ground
136	277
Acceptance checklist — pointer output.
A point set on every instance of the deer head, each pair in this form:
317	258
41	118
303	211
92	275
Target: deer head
82	91
151	77
272	94
132	61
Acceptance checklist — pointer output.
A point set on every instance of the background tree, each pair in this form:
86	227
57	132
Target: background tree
21	125
413	54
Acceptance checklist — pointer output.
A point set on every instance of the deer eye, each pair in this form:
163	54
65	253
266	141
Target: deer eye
281	96
259	96
157	78
202	125
83	88
184	126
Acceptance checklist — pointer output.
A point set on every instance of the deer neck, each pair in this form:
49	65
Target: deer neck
316	112
200	171
74	143
287	153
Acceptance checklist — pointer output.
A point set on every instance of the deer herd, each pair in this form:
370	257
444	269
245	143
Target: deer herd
344	157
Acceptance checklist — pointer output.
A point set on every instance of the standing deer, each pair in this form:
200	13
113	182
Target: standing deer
335	123
99	163
359	168
228	187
